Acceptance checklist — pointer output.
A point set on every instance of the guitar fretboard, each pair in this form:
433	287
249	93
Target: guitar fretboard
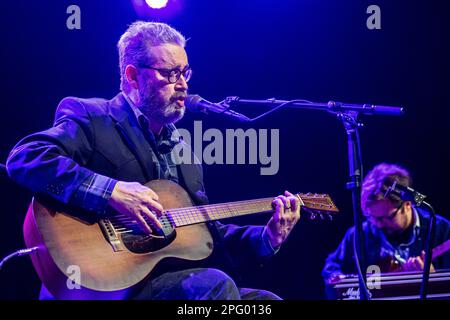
179	217
199	214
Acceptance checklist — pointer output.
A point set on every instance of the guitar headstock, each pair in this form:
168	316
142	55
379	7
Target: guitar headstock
318	205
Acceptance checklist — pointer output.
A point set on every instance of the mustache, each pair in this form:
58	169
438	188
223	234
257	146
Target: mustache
180	95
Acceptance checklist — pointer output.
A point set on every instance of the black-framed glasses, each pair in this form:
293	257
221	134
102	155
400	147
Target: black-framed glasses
389	217
173	75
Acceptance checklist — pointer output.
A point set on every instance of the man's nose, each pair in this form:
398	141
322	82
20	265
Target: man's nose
181	84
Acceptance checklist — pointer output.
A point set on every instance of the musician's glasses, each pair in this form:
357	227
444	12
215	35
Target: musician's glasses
173	75
390	217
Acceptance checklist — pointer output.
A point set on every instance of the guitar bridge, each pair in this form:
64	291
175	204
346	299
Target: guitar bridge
111	235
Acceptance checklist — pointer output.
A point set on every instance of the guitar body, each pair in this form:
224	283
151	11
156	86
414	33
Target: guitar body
76	260
389	264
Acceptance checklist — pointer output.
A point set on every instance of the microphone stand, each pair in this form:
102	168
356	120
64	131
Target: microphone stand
351	124
348	114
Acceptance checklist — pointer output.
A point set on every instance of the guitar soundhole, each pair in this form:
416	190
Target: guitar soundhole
144	243
120	230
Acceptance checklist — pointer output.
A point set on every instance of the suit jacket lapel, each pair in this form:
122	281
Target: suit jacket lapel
126	124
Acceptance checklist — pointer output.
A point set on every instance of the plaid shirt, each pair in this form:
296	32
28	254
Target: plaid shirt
94	193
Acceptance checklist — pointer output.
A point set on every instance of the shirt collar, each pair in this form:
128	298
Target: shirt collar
170	136
416	221
415	231
137	112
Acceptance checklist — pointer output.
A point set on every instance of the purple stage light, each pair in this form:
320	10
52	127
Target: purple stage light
156	4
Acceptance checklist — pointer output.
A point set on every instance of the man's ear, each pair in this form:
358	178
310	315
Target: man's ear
407	204
131	76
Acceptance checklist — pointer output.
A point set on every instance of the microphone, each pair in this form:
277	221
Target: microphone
406	193
195	103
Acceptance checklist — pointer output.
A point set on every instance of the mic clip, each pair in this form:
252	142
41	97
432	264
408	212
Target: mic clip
406	193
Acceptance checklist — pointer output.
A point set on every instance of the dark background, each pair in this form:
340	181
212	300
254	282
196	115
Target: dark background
316	50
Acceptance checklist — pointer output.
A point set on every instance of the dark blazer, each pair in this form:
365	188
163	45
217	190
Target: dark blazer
100	136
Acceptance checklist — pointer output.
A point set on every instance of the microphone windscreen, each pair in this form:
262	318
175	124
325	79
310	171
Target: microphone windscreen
191	102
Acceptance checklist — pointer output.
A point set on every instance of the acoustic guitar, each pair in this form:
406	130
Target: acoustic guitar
109	258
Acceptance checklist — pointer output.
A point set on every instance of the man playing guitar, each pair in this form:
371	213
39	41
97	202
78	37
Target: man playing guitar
99	154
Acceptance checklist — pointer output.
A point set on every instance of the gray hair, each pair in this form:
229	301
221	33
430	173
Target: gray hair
133	44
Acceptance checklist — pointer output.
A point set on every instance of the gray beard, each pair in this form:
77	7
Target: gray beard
156	109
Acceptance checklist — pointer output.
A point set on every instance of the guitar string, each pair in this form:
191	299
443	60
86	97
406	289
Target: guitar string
126	228
216	211
190	215
187	218
216	208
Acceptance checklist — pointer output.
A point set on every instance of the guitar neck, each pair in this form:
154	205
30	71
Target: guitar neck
314	205
199	214
441	249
